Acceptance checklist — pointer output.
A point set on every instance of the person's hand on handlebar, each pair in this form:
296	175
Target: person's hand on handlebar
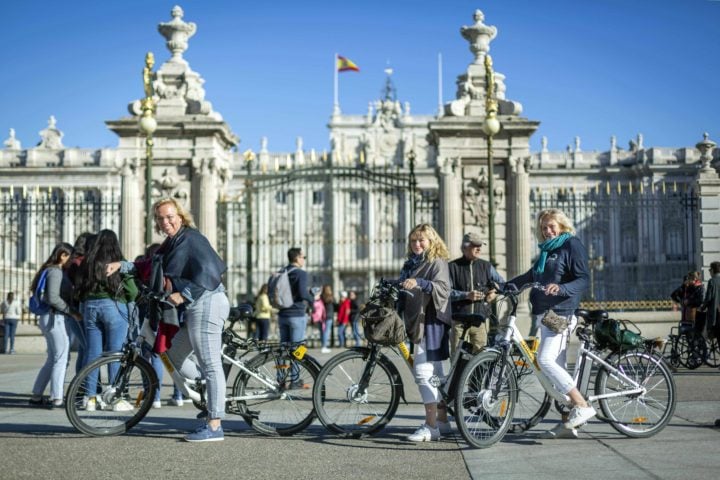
409	283
552	289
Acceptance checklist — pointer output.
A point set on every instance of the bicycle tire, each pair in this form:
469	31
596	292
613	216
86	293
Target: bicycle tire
133	386
288	406
638	415
482	420
337	404
713	353
532	402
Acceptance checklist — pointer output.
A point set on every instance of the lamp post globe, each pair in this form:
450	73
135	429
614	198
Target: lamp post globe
491	125
148	124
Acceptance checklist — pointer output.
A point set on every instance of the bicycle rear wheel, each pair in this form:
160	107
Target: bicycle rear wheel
638	415
286	407
485	401
340	406
124	394
532	402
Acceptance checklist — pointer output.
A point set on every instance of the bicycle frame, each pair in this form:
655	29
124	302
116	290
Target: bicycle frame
513	335
195	394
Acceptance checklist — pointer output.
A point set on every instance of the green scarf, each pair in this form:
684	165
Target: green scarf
548	246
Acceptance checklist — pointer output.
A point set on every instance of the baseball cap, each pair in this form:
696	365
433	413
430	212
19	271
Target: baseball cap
473	239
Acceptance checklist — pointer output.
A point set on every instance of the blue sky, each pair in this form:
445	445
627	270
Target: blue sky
592	68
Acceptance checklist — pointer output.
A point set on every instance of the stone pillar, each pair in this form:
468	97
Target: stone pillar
451	222
205	195
132	224
520	227
707	238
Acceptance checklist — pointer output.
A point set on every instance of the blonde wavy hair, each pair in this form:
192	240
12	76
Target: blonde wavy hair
559	216
187	218
437	248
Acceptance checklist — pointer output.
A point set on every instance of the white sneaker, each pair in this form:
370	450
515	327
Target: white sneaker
178	402
157	404
443	427
91	405
559	431
425	434
325	350
579	416
122	406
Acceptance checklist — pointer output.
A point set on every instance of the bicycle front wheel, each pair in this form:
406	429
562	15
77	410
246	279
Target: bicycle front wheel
638	415
532	402
485	399
124	392
339	402
278	399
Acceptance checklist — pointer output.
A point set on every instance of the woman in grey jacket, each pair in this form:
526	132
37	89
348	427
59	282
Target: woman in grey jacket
57	294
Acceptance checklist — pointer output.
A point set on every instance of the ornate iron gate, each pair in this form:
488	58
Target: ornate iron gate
34	220
352	223
641	241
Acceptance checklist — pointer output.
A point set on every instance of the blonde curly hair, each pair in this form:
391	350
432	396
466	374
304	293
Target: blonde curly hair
437	248
187	218
559	216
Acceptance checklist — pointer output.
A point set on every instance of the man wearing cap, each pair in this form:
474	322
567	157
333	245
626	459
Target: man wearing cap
471	279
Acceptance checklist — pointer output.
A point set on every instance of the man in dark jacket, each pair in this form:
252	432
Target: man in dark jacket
292	321
711	305
470	279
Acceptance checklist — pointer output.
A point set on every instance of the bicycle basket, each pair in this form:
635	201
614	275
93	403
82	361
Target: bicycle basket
614	335
382	325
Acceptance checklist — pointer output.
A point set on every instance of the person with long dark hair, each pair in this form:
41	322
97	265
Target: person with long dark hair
75	328
105	311
58	295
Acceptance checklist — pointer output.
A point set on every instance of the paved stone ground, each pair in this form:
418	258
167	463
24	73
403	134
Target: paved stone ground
42	444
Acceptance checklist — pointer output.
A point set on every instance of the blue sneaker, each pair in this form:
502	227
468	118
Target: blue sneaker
206	434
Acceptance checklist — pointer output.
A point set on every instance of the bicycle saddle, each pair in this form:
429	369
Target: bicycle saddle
592	316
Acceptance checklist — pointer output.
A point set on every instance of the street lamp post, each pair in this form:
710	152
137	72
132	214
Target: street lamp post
249	156
491	126
148	125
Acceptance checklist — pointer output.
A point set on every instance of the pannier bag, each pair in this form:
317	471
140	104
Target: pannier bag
614	335
382	325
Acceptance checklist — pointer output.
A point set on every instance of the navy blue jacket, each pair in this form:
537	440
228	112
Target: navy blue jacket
566	266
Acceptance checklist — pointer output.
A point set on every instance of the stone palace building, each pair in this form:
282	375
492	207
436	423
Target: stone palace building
647	214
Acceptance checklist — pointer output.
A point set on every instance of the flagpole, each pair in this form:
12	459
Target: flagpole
440	99
336	103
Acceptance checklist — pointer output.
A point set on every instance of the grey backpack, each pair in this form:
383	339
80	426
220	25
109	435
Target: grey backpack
279	290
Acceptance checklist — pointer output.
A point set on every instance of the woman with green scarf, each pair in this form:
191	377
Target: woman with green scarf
562	268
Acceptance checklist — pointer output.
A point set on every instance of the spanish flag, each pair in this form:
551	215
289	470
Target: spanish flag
346	65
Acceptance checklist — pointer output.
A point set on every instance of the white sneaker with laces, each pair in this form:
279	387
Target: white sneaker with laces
444	427
579	416
325	350
425	434
122	406
178	402
559	431
157	404
91	405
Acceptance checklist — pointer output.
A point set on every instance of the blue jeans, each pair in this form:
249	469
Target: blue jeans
341	335
205	318
159	371
326	329
52	327
10	327
76	330
355	330
292	329
106	328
